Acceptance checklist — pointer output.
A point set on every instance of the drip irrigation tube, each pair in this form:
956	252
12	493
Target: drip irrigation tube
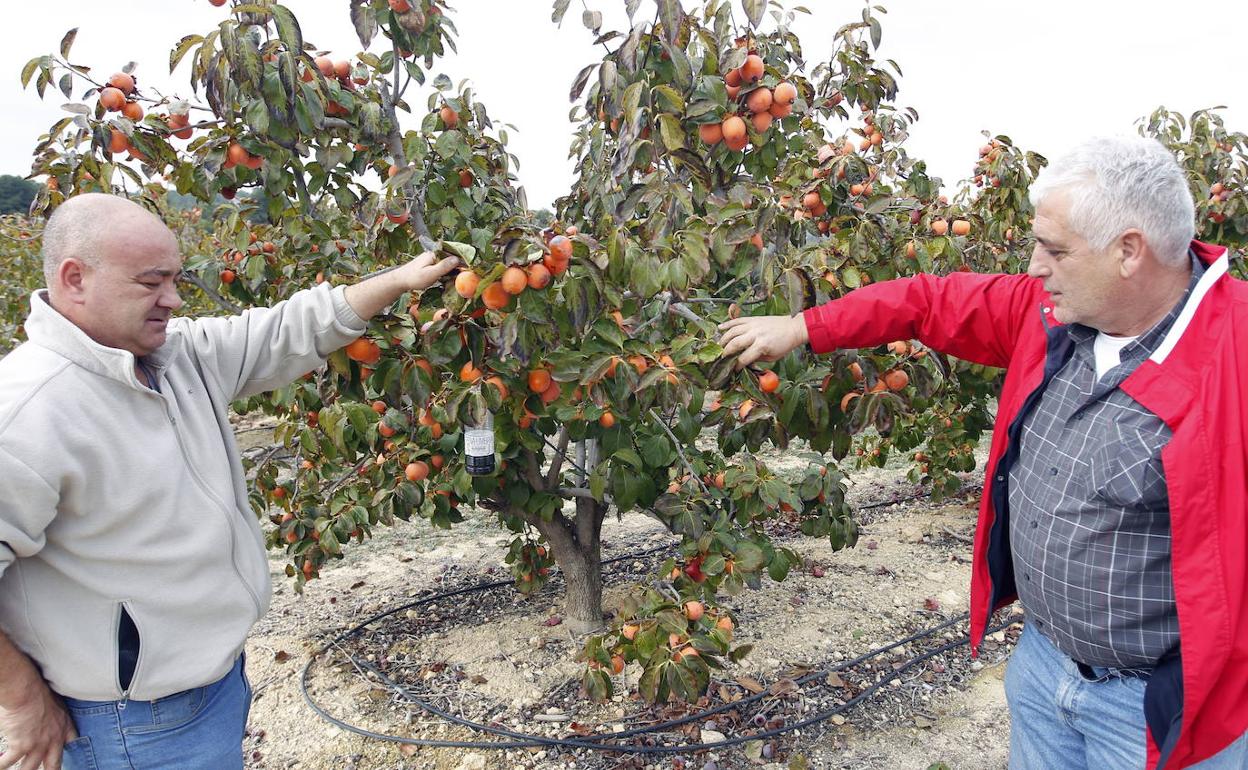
606	742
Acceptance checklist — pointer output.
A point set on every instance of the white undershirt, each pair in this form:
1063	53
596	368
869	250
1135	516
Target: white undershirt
1108	351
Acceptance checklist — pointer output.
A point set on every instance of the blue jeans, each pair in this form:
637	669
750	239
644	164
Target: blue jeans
198	729
1062	720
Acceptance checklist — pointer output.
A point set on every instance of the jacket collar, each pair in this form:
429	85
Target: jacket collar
49	329
1218	261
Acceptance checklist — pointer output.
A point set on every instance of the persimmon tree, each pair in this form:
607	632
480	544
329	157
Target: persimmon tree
22	268
715	176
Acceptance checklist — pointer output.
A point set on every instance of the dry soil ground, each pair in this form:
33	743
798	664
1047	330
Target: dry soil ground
493	654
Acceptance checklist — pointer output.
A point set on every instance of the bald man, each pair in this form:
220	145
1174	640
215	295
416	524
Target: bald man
131	564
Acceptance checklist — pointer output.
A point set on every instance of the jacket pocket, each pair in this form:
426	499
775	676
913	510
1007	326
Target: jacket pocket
129	647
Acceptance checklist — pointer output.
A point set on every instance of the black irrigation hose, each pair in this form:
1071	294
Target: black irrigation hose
528	740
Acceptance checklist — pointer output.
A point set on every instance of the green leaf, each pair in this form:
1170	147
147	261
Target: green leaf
672	621
256	115
778	569
597	685
657	451
672	132
67	42
180	50
631	101
749	556
669	99
689	524
754	11
683	680
682	70
596	370
878	206
28	71
671	15
598	486
648	687
288	28
462	250
579	84
629	456
713	564
448	144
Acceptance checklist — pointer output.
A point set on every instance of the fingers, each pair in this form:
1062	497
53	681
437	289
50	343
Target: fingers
751	354
730	340
8	759
736	327
446	265
734	342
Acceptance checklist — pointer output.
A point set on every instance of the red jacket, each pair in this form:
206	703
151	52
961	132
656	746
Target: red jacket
1196	702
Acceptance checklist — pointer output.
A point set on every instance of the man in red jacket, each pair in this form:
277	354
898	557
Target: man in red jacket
1115	504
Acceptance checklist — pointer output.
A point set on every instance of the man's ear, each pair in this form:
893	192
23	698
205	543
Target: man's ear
1132	251
72	277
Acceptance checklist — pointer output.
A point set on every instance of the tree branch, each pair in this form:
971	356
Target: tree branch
571	492
532	471
682	310
191	278
676	443
338	482
552	477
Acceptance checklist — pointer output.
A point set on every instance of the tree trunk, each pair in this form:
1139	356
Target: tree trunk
583	572
575	544
576	548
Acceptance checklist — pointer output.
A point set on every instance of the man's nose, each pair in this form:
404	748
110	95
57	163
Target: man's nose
1038	266
170	298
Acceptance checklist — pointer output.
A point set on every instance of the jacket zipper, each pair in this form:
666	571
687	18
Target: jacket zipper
124	606
203	485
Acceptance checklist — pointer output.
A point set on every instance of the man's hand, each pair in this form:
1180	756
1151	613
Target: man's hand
762	338
37	727
425	270
369	296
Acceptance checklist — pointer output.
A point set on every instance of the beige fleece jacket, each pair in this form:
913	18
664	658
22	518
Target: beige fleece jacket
113	495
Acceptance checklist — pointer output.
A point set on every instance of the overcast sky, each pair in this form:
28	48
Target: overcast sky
1046	74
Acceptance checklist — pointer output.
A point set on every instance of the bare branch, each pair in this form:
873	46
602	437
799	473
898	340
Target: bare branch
667	301
676	443
338	482
682	310
570	492
556	465
191	278
532	471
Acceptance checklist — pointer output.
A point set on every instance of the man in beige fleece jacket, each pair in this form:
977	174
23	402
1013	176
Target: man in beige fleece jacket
131	565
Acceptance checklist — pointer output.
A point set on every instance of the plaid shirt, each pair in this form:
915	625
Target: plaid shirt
1090	515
